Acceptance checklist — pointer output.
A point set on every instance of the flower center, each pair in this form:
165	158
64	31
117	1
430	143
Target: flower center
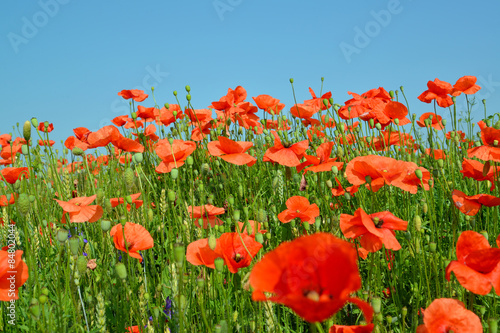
238	257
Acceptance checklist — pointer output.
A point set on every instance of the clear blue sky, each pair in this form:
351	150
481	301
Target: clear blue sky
65	60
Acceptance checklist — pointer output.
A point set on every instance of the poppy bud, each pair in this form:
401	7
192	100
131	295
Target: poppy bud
391	93
329	184
175	92
371	122
133	115
121	270
23	204
444	121
188	97
138	158
368	179
77	151
219	264
35	309
105	225
432	247
62	235
81	264
74	245
24	150
396	121
42	299
27	130
418	173
236	215
128	199
492	322
376	304
240	190
291	80
418	222
484	233
174	173
425	208
128	178
497	125
179	253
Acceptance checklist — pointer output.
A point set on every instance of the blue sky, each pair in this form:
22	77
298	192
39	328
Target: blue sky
65	60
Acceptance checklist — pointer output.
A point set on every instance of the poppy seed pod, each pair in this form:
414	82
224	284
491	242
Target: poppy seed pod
259	238
190	160
74	245
24	150
171	195
376	304
35	309
174	173
418	173
121	270
493	325
138	158
62	235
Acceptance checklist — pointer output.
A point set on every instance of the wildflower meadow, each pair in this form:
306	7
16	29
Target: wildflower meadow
252	216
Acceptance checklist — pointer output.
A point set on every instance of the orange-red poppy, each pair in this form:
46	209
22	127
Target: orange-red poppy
237	250
167	116
137	238
173	155
11	175
80	210
46	142
449	315
470	205
136	94
477	267
148	114
255	227
268	104
490	150
299	208
374	170
367	312
476	170
322	162
5	202
232	151
206	212
117	201
466	85
43	128
436	122
361	105
437	90
286	154
313	275
373	230
437	154
304	111
13	273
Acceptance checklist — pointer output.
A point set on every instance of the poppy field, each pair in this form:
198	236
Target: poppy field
321	216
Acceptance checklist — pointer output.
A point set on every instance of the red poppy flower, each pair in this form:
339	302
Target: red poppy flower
148	114
46	142
367	312
137	238
79	209
286	154
373	230
378	170
476	170
167	116
173	155
436	120
477	267
136	94
437	90
470	205
237	250
304	111
313	275
449	315
322	162
299	208
208	213
437	154
466	85
317	102
490	150
11	175
5	202
11	273
362	105
46	127
268	104
233	97
117	201
232	151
